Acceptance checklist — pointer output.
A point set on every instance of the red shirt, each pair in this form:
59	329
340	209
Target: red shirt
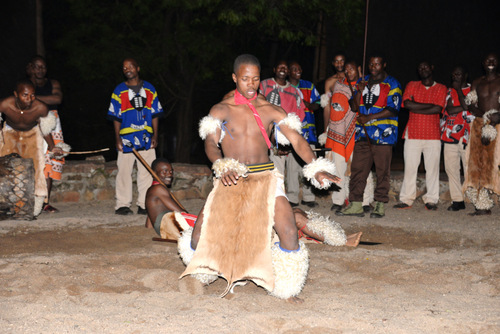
422	126
456	126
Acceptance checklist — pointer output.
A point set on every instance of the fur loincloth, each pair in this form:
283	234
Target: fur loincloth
483	161
29	145
235	241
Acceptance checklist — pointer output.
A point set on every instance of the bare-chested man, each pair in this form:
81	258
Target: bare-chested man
483	152
26	126
248	199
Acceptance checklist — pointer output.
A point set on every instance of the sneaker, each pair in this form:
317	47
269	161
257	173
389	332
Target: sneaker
311	204
431	206
378	211
336	207
124	211
455	206
353	209
294	204
49	208
367	208
141	211
402	205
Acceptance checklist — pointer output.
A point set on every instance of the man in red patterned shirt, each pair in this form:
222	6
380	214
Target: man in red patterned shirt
455	126
425	100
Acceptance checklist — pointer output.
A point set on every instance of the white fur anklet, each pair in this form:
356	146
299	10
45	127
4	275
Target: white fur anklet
290	270
331	231
37	209
222	166
325	99
186	253
319	165
293	122
47	123
208	125
471	98
322	139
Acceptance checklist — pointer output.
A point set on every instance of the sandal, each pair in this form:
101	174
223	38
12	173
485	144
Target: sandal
49	208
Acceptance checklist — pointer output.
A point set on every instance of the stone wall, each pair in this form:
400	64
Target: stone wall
94	180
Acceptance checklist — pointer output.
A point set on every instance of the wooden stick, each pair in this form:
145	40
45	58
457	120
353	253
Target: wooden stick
156	177
87	152
366	34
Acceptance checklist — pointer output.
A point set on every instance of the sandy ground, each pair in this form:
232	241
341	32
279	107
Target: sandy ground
86	270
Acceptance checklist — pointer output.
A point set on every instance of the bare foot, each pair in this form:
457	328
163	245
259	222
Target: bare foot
353	239
295	300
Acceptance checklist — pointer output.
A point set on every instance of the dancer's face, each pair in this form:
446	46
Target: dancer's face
247	80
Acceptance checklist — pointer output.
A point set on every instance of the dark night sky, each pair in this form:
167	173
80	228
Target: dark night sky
444	32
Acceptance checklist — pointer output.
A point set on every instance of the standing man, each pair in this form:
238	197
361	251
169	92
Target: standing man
27	124
310	97
483	154
281	93
455	128
233	238
376	133
425	100
49	91
340	120
134	110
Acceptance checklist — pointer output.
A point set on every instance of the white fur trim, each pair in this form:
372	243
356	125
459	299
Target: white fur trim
222	166
38	205
293	122
290	270
322	139
480	199
331	231
63	146
489	132
487	115
186	253
209	125
471	98
182	221
184	246
319	165
325	99
47	123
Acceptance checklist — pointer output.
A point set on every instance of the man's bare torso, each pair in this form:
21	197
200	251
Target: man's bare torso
24	120
488	93
244	140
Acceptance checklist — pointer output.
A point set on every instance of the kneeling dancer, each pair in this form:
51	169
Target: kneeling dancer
232	236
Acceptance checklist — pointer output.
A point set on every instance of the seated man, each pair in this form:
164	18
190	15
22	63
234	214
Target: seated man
168	218
27	123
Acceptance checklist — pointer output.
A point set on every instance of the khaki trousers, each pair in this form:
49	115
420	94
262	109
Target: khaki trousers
453	154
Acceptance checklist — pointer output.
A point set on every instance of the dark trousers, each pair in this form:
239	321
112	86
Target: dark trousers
364	156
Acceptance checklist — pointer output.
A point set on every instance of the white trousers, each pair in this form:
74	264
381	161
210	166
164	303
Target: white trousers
453	154
294	175
125	164
413	150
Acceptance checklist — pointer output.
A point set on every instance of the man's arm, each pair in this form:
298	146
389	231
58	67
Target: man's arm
453	110
385	113
55	98
117	126
154	138
422	108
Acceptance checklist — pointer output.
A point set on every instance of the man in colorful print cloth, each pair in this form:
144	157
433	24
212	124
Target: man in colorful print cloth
134	110
376	133
310	97
455	128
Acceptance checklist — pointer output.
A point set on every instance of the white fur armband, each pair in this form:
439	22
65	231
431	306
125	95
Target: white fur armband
47	123
209	125
222	166
322	139
325	99
319	165
63	146
471	98
293	122
488	131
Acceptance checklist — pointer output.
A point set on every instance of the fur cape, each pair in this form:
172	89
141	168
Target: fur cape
235	241
483	162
